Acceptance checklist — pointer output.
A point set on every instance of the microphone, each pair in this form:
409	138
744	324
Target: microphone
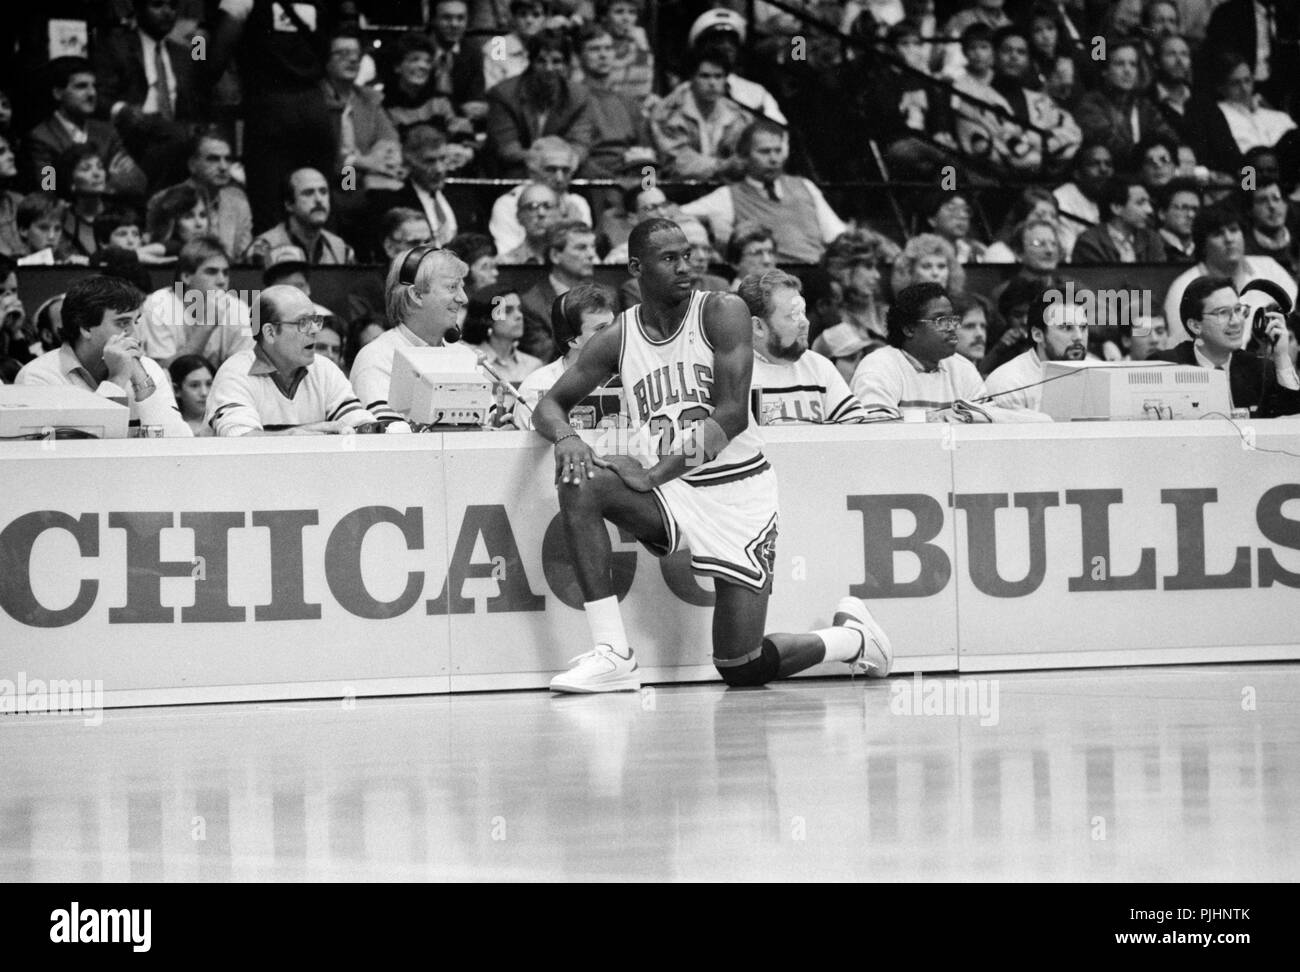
452	334
506	386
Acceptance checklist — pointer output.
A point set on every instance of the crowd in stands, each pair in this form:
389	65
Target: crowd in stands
877	150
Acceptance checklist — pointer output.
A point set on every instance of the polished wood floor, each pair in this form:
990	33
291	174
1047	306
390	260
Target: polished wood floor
1159	774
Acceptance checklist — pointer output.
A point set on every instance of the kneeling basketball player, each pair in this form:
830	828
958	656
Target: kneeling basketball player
685	358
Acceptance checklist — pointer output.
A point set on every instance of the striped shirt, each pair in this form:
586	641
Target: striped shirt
249	395
892	377
808	391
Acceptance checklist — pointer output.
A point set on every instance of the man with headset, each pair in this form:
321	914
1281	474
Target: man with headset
424	295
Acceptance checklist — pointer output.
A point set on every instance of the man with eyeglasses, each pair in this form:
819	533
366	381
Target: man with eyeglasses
539	210
1059	331
551	161
1177	204
281	386
921	367
1219	321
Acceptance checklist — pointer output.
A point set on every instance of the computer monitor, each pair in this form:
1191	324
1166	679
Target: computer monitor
1076	391
439	386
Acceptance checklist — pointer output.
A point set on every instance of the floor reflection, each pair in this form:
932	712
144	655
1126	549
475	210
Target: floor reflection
1112	775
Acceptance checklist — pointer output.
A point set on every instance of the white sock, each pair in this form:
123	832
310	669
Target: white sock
606	622
842	644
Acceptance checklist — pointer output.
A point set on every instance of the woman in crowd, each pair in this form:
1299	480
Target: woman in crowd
11	243
928	258
191	376
82	181
175	216
1035	202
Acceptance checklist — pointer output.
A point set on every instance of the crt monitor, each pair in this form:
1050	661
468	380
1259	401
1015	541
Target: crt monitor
1076	391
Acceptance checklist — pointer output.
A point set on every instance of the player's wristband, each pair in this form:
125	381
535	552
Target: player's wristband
567	435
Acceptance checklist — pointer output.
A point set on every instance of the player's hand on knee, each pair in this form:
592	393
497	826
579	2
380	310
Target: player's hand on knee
574	461
634	475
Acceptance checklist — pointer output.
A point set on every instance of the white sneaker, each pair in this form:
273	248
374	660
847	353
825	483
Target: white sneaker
600	670
877	655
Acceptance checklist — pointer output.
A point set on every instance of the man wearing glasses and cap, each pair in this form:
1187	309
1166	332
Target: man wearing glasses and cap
281	386
1219	321
921	367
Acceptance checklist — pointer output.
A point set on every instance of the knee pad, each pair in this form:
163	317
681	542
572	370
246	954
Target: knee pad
758	667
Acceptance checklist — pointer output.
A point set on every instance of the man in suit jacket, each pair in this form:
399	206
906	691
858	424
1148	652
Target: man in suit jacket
152	89
457	63
1238	24
1215	317
570	260
73	86
1125	234
424	151
541	101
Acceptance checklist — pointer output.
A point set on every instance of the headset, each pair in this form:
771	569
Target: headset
411	269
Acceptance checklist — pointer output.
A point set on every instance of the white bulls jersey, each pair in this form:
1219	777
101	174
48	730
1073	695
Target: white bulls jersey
668	386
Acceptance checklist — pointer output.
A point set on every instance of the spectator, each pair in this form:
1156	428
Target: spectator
1059	331
1263	34
506	56
494	327
703	256
229	217
622	140
409	96
948	214
539	209
794	207
1034	202
1149	335
457	63
1239	123
1171	92
1220	252
928	258
10	242
39	219
368	153
288	265
1118	114
1126	235
633	70
751	250
1048	131
82	183
723	33
1009	334
191	376
570	260
1218	320
1177	204
973	331
305	197
1078	201
798	384
1157	159
845	348
362	332
48	321
154	89
174	217
1048	44
480	254
282	53
72	122
424	294
984	124
100	354
920	368
986	12
1269	224
639	204
19	340
402	228
855	261
281	386
198	314
541	101
427	154
576	317
553	162
331	339
697	128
